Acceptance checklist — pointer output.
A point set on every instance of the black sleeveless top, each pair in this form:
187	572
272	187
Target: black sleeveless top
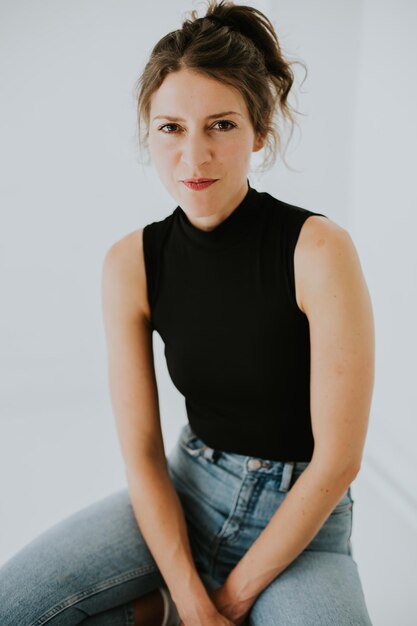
237	345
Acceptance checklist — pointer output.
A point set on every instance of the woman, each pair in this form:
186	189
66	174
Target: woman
268	332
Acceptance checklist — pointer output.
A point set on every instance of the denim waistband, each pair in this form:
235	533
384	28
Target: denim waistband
284	470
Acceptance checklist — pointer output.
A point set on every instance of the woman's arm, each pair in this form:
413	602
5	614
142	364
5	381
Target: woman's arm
134	397
334	296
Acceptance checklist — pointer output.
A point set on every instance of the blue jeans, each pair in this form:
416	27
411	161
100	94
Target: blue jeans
89	567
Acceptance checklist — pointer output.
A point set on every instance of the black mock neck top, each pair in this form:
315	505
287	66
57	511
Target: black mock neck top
237	345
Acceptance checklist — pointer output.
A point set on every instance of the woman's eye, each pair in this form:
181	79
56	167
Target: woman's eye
225	122
166	127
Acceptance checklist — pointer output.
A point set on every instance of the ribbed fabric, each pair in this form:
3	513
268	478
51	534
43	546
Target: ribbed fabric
236	343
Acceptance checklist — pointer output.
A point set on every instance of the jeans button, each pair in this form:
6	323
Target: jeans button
254	464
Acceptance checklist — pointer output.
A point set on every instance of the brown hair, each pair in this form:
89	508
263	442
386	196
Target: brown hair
237	45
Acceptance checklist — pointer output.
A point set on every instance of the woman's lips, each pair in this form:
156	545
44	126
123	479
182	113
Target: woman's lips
197	186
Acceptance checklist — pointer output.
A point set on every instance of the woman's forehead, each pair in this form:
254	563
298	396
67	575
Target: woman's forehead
185	92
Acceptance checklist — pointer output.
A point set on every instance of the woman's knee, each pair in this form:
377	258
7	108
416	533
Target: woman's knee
91	560
317	589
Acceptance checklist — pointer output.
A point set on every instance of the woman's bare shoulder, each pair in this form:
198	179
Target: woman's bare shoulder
316	228
124	267
323	247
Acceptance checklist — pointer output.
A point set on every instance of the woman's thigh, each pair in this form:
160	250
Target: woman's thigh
92	562
316	589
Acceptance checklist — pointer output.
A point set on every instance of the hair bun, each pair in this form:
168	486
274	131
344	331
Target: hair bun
222	21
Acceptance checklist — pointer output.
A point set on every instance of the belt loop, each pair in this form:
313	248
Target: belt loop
210	454
287	475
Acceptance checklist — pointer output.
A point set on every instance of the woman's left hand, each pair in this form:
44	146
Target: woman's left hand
229	606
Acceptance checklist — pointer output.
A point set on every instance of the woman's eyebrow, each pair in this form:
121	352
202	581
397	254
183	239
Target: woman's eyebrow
209	117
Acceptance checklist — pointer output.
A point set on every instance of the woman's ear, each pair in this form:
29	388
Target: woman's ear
258	142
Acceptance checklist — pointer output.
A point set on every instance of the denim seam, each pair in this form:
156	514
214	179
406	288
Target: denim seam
86	593
129	615
219	536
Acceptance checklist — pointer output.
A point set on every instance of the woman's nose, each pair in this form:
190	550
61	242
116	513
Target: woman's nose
196	150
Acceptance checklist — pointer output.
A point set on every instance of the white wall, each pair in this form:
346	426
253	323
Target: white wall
382	218
71	184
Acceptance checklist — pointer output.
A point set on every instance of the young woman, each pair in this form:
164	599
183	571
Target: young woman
268	332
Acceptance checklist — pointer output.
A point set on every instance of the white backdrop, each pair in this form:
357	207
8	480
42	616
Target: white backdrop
71	184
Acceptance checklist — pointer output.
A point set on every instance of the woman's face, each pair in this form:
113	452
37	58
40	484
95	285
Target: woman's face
200	128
